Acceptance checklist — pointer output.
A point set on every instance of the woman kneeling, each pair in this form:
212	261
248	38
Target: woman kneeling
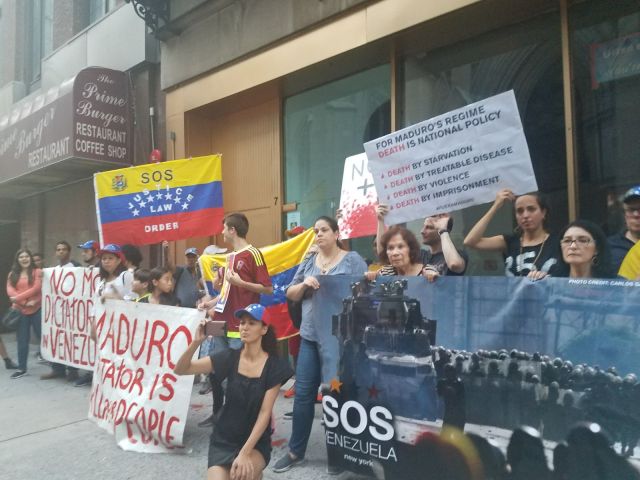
240	445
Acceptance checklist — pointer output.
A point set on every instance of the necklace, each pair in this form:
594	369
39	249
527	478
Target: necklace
535	267
324	266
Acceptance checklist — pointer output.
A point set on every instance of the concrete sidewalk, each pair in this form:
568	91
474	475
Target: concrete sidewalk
45	433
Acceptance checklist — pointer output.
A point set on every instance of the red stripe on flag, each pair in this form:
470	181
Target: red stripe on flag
174	226
278	317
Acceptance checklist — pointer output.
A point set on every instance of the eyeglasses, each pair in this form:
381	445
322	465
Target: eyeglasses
580	241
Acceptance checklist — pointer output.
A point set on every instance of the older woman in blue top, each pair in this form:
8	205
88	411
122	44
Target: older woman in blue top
330	259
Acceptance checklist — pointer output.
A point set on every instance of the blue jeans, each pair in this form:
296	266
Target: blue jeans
307	383
24	335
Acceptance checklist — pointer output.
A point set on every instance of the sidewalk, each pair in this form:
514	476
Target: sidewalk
45	433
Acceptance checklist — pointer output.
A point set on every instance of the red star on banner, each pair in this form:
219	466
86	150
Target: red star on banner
373	391
336	385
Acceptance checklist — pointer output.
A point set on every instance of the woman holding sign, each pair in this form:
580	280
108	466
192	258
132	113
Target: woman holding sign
531	251
240	445
24	286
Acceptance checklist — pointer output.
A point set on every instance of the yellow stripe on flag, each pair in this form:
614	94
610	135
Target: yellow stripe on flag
172	174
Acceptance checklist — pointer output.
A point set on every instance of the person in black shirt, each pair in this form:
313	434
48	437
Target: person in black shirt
240	445
532	251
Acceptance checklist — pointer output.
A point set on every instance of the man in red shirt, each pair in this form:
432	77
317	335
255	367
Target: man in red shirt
244	278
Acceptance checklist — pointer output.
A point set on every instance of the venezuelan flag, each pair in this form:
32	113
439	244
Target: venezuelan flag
160	201
282	262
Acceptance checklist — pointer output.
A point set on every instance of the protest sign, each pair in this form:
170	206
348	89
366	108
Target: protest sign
67	308
452	161
517	352
358	199
135	393
155	202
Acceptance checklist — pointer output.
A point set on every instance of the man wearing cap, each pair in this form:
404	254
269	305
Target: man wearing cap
187	278
621	243
89	253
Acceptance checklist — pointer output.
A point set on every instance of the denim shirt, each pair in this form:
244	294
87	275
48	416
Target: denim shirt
351	264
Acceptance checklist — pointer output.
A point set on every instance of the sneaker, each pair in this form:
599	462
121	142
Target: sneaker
208	422
52	374
288	416
286	462
197	379
84	380
334	470
291	392
39	358
18	374
10	364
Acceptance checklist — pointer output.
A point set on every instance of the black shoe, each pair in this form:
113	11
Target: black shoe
72	376
208	422
84	380
286	462
10	365
288	416
18	374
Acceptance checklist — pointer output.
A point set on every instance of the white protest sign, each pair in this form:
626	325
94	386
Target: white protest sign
135	393
452	161
67	308
358	199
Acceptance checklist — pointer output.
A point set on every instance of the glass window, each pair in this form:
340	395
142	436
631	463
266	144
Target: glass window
605	48
525	58
40	38
322	127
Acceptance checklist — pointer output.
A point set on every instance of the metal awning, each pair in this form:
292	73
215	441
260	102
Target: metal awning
75	129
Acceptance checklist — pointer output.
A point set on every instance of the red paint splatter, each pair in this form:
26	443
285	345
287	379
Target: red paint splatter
359	220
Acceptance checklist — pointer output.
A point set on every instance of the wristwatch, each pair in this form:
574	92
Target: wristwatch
442	230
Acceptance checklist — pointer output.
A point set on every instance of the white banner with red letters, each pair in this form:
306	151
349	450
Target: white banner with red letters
135	394
67	309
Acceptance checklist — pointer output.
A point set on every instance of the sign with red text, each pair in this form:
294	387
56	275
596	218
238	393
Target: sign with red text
135	394
358	199
452	161
67	308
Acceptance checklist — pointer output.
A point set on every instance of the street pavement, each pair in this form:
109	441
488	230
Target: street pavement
45	434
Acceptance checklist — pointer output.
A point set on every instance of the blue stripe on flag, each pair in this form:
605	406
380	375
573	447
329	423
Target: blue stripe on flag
161	202
280	282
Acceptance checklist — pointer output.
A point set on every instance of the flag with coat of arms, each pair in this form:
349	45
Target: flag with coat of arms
150	203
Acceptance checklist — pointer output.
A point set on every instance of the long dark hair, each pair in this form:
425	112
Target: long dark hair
544	205
116	273
16	269
602	264
269	342
333	224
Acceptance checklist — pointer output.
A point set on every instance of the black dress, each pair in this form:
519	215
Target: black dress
242	406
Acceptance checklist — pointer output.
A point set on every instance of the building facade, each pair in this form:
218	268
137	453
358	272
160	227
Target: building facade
287	89
78	80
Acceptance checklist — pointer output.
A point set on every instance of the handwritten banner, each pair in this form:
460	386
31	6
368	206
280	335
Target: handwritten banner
135	394
67	308
358	199
452	161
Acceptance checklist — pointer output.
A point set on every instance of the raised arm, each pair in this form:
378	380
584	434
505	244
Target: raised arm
381	211
475	238
452	258
186	365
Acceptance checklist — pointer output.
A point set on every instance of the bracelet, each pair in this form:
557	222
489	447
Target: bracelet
443	230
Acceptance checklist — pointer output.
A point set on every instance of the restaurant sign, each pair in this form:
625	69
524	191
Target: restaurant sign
88	118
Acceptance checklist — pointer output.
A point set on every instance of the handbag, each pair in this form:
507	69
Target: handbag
11	319
295	306
295	312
